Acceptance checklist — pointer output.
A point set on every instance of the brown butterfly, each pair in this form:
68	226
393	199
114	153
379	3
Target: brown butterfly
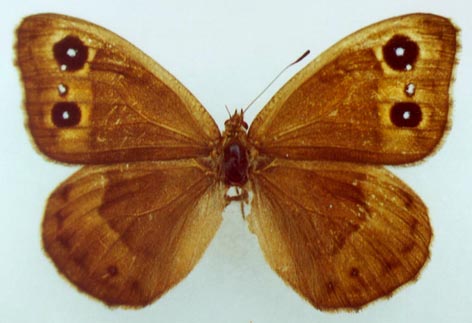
334	224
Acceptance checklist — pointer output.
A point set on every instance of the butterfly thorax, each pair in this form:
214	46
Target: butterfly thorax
234	151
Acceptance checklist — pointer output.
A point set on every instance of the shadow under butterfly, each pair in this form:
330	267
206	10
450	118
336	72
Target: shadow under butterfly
335	225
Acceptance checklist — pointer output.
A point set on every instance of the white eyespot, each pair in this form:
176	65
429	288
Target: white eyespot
65	115
410	89
399	51
406	115
408	67
62	89
63	67
72	52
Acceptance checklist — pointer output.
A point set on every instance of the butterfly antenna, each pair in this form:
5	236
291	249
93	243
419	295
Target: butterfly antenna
305	54
227	110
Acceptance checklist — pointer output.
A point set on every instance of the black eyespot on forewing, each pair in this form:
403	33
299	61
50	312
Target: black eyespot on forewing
406	114
70	53
66	114
400	53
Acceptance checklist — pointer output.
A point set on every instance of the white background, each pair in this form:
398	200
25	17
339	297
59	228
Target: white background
225	53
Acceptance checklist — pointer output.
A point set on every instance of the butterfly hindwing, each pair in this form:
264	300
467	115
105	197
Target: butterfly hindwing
91	97
127	233
340	234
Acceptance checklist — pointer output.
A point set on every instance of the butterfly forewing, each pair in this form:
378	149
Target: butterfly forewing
92	97
379	96
127	233
340	234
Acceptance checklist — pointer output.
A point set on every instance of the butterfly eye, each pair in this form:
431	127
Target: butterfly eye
244	124
400	53
406	114
70	53
66	114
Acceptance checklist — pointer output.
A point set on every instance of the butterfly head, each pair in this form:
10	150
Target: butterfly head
236	123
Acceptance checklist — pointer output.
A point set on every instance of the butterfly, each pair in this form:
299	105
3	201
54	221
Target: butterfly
332	222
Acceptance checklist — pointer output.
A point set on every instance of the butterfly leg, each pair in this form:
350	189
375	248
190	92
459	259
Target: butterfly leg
241	196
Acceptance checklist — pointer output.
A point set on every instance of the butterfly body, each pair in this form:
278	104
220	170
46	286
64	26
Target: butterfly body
235	161
335	225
